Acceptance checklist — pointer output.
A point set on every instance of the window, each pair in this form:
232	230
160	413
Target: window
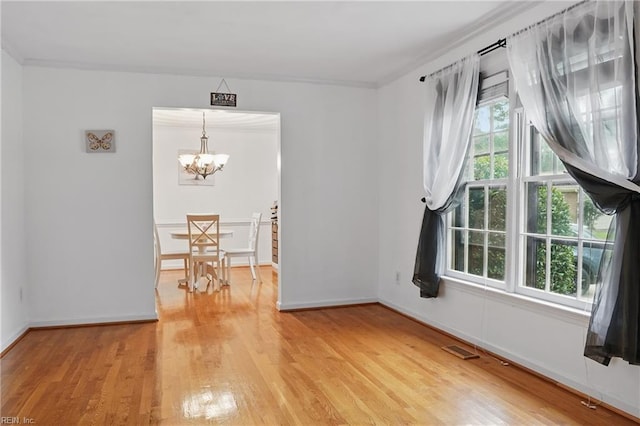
559	234
477	229
563	233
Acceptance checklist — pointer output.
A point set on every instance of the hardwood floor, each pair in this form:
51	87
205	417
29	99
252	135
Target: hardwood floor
230	357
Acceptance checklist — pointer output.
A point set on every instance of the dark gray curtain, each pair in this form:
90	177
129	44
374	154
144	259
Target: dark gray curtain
621	338
424	272
430	253
576	77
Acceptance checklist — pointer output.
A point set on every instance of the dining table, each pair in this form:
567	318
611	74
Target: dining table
183	234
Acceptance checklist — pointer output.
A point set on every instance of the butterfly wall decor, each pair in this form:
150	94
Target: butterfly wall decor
100	140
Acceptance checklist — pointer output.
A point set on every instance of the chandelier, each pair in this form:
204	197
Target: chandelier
203	163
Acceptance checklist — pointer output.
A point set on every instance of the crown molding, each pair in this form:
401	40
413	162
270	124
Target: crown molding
8	48
195	73
486	22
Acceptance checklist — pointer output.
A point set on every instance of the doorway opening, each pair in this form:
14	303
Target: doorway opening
249	182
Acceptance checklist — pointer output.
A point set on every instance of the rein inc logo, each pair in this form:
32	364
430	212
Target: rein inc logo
16	421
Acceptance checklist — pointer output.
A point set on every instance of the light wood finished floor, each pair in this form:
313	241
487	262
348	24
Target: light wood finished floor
229	357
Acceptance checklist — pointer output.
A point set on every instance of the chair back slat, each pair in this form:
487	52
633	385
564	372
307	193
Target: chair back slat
204	232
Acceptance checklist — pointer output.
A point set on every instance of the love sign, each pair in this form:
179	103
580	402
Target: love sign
223	99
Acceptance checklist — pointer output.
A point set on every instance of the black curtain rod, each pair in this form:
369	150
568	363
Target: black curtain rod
497	45
488	49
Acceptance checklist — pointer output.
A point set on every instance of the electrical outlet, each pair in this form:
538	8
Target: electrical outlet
397	277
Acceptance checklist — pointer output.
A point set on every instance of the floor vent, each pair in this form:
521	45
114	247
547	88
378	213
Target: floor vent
459	352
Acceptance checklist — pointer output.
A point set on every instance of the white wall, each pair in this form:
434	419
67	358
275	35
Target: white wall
90	215
13	291
249	183
544	339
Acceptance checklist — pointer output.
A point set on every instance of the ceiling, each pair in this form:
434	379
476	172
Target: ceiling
357	43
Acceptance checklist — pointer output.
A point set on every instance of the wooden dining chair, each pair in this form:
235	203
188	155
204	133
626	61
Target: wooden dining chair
204	247
169	255
250	251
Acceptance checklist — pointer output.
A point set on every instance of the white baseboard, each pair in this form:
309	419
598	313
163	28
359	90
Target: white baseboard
75	322
96	320
15	336
324	303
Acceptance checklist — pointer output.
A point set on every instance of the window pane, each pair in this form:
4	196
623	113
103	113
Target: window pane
591	255
546	160
563	267
595	223
482	167
457	257
501	141
481	144
543	160
501	115
476	208
558	166
536	208
496	256
535	265
457	217
483	120
564	210
501	166
476	252
498	209
609	98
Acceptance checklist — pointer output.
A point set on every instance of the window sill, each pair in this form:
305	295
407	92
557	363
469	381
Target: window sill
543	307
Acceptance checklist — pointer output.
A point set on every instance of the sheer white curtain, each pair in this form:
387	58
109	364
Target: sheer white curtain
575	75
451	98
